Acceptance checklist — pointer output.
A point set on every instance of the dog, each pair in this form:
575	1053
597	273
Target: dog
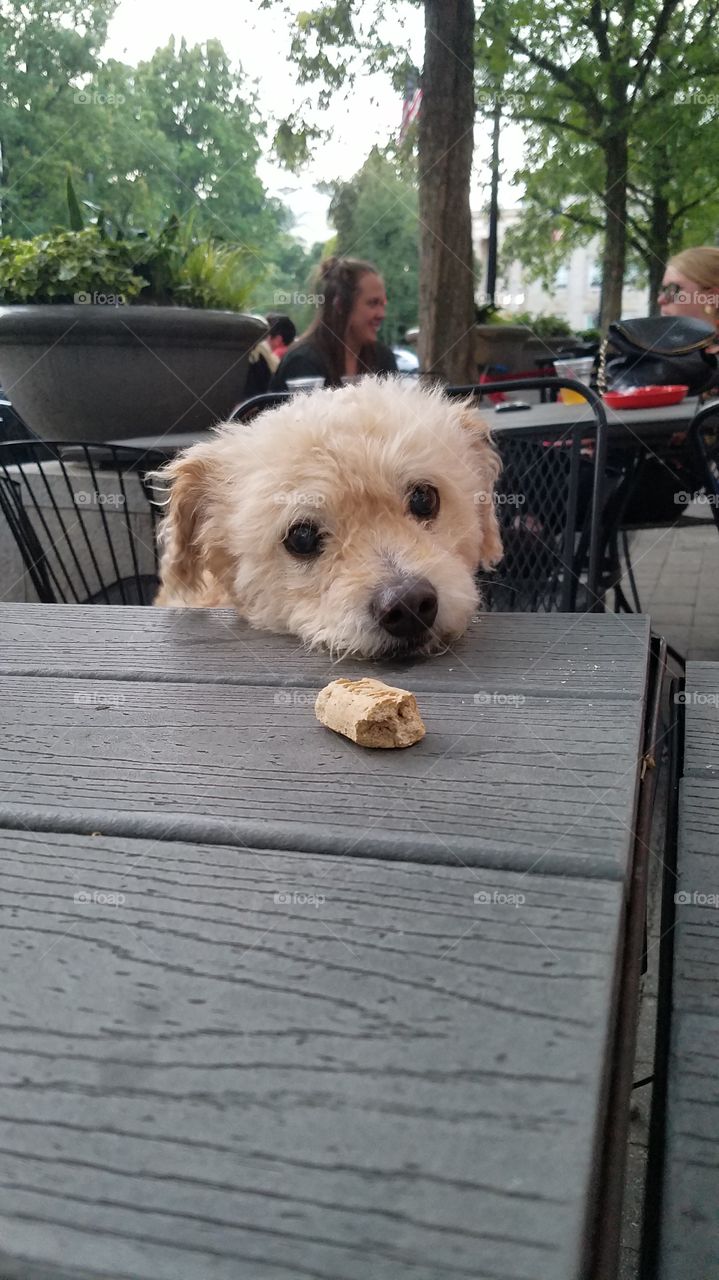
355	519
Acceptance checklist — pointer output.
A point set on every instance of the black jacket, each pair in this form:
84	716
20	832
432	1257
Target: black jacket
304	360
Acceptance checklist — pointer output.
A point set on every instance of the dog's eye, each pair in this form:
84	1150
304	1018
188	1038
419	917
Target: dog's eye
303	539
424	502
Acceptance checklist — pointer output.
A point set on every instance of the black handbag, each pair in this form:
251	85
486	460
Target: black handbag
658	351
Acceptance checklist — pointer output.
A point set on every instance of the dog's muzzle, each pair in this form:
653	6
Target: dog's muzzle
405	609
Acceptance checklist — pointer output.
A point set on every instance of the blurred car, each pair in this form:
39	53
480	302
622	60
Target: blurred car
407	361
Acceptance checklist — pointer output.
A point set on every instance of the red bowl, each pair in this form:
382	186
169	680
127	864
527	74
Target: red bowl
645	397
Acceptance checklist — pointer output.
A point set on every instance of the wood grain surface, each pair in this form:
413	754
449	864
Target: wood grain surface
701	696
209	1074
545	784
690	1209
595	655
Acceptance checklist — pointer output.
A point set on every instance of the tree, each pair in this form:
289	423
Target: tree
178	134
331	44
45	50
209	118
375	217
563	178
589	76
446	143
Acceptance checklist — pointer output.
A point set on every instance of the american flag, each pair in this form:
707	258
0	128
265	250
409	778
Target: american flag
411	104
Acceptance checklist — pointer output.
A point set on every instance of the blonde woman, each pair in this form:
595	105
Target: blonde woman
691	286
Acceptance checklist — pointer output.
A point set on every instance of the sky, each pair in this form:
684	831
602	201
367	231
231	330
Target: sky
259	41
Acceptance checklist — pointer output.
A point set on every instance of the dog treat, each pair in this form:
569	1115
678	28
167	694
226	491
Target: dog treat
371	713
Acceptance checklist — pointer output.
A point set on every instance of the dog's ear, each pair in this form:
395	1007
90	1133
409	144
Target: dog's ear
184	535
488	466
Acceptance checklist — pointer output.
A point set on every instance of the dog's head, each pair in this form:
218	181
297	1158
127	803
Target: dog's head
354	518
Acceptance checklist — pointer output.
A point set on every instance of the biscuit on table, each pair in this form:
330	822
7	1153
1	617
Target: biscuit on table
370	713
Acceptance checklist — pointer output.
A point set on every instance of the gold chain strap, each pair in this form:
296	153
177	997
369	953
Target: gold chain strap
602	371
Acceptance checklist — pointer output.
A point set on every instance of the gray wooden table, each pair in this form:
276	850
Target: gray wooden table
689	1208
277	1007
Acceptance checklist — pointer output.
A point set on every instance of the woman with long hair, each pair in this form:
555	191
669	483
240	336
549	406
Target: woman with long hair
341	342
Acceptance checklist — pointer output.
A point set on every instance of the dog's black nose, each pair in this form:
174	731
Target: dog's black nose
406	608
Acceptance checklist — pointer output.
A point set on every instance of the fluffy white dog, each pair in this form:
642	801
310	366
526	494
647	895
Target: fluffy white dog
353	518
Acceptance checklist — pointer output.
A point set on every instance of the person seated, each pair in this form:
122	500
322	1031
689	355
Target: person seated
282	333
262	364
690	286
341	342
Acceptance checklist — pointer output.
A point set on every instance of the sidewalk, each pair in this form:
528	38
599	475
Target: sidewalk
677	575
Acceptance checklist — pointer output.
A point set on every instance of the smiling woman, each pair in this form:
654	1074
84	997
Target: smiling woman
341	341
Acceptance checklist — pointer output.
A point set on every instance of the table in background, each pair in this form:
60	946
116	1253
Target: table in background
275	1006
642	424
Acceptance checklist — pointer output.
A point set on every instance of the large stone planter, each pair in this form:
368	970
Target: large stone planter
107	373
501	345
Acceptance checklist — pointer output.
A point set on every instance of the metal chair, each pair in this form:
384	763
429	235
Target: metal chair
550	503
703	443
647	490
257	404
84	519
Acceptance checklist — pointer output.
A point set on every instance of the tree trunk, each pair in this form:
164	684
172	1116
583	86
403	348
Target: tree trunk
616	154
494	208
446	124
658	248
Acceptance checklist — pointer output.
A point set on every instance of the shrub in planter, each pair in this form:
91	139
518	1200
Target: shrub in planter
109	336
57	266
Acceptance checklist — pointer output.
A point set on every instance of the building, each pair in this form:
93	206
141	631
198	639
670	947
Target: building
575	294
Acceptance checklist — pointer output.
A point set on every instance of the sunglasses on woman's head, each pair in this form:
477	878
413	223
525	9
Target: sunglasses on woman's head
673	292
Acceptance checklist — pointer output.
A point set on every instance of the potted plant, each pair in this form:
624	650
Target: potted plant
498	340
106	334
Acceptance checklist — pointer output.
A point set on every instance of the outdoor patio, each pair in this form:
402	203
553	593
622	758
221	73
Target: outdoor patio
359	660
677	574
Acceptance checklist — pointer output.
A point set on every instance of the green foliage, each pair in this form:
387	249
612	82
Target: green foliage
57	267
179	132
544	326
77	222
334	44
171	268
585	83
45	53
216	275
375	216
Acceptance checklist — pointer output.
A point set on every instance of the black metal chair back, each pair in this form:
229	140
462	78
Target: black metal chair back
84	519
550	501
703	441
257	404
